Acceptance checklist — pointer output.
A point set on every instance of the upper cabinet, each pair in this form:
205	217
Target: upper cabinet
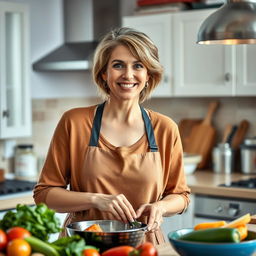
197	70
245	69
159	29
200	70
15	101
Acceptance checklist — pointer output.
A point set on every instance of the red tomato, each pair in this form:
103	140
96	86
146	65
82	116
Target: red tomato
90	252
147	249
123	250
3	240
17	232
18	247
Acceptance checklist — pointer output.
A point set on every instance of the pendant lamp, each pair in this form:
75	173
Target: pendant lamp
233	23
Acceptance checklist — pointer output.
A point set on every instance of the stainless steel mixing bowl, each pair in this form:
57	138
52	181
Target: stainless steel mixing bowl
115	233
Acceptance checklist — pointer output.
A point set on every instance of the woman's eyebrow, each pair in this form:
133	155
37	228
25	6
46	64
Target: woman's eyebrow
116	60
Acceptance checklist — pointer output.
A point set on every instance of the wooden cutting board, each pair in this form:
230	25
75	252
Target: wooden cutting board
202	137
185	127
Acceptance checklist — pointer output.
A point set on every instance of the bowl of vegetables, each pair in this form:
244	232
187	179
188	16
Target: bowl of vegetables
216	238
105	234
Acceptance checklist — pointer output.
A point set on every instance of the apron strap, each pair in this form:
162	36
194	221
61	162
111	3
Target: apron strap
149	130
97	124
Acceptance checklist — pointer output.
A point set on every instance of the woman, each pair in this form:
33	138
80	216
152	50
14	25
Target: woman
122	162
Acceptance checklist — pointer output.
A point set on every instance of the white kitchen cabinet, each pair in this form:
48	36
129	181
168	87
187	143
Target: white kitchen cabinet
246	71
15	101
200	70
159	28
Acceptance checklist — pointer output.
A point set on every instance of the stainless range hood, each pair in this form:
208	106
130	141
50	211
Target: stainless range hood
85	22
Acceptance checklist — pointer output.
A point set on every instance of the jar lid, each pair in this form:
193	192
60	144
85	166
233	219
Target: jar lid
25	146
224	146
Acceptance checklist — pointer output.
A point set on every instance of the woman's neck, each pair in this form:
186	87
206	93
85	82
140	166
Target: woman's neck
125	112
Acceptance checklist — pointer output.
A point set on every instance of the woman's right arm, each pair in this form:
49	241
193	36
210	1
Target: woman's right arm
118	205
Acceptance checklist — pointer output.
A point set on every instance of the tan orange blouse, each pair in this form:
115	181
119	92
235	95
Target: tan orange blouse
65	163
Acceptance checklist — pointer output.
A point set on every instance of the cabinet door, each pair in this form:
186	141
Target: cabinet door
158	28
200	70
246	71
15	105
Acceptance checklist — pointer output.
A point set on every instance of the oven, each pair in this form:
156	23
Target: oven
214	208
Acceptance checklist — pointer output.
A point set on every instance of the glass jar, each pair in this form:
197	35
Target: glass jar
25	162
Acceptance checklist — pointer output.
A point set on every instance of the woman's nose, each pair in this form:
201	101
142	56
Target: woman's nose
128	73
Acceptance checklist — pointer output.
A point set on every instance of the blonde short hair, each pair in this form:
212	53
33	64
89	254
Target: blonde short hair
140	45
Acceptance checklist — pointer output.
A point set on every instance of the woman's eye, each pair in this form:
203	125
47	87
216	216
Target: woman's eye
138	65
117	65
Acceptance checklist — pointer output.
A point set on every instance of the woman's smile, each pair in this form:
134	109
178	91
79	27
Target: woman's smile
127	85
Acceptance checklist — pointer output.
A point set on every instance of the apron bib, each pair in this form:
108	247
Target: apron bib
120	171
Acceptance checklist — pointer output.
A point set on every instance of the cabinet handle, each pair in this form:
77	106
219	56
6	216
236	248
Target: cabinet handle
166	79
227	77
6	113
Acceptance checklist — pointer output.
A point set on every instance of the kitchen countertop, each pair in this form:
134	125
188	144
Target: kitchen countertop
207	183
201	182
10	201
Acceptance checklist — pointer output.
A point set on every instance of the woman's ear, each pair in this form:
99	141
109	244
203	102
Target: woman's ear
148	76
104	76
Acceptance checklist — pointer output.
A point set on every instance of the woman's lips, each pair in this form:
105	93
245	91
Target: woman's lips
126	85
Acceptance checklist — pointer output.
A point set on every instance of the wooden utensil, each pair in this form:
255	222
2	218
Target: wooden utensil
2	175
202	137
185	127
226	133
240	134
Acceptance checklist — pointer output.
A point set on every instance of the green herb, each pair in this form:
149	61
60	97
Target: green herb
39	220
135	224
70	246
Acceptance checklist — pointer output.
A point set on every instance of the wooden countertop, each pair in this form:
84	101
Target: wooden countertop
206	182
10	202
201	182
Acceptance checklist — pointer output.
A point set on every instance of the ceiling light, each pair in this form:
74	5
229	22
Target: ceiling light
233	23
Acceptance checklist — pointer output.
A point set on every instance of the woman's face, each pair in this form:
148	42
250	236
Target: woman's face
126	76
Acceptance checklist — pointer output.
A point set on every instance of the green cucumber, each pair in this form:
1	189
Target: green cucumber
38	245
213	235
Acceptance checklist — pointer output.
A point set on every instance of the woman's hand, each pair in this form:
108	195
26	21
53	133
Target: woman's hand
155	213
118	205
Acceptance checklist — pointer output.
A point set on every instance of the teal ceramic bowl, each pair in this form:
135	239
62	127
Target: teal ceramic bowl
186	248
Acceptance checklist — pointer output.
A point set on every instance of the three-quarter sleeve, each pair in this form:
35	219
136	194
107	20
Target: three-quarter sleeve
56	169
170	148
176	181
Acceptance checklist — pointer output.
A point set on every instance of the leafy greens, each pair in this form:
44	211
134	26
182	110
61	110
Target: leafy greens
39	220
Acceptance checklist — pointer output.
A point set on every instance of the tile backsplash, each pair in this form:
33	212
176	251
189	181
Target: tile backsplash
46	114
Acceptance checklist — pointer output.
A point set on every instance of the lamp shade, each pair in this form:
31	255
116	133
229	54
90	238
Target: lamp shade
233	23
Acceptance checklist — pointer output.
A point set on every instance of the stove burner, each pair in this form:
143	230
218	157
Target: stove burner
249	183
15	186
